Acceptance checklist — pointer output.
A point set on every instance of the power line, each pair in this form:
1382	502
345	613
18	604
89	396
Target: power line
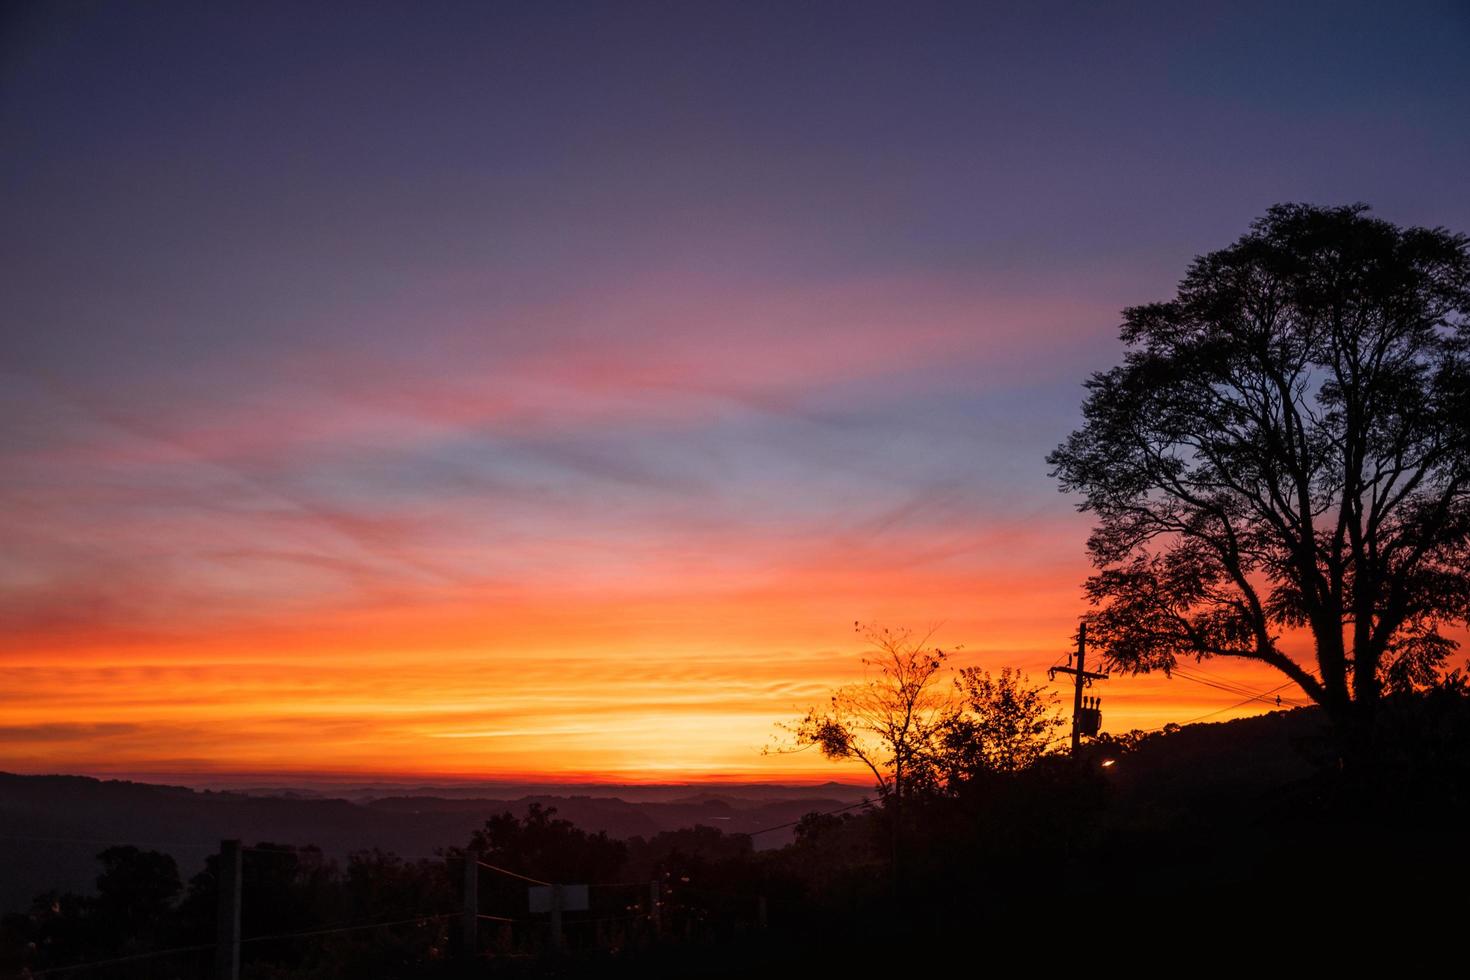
793	823
1218	711
1221	711
1206	680
1195	670
418	919
58	970
1232	688
513	874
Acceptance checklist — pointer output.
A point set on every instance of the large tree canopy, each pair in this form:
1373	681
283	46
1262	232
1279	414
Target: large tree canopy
1286	448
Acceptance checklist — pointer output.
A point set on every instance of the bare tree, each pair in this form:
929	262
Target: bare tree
892	720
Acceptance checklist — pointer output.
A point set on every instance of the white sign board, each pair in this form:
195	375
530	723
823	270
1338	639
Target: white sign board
573	898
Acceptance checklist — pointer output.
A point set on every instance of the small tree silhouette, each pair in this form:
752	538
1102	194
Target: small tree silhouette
1005	724
891	721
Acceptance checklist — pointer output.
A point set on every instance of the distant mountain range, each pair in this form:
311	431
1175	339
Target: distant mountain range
52	827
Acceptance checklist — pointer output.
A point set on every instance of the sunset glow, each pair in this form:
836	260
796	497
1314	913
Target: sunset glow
556	415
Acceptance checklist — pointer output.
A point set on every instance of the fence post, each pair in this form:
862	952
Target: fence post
227	919
655	908
761	917
470	921
557	903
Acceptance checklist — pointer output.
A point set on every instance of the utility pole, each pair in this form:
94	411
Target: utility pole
655	907
1084	719
469	939
558	903
227	915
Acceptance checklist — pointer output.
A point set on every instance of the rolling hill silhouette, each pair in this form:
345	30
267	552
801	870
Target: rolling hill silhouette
52	827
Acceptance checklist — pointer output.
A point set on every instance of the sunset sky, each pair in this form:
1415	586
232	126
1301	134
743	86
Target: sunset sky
545	389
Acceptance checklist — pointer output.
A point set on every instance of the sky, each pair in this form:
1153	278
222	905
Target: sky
480	390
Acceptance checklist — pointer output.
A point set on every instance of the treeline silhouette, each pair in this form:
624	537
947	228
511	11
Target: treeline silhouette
51	827
1208	834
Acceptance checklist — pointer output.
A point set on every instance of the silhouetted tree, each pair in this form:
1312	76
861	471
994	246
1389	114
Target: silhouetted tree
135	890
891	722
543	846
673	848
1286	445
1004	726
